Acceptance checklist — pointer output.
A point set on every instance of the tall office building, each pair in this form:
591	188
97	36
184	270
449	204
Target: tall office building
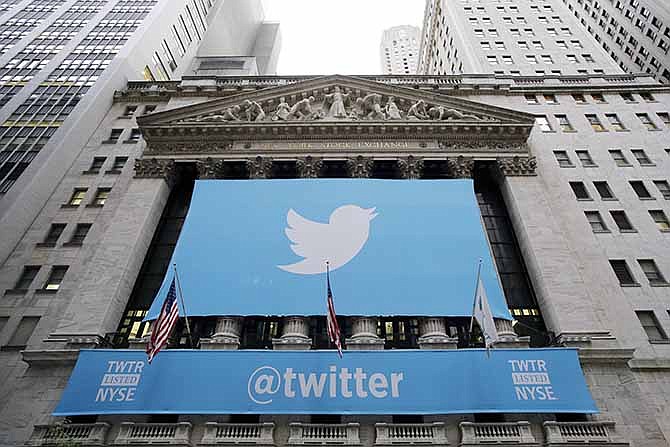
635	33
249	184
399	50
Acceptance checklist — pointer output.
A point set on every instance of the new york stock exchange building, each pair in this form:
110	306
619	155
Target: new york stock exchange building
403	184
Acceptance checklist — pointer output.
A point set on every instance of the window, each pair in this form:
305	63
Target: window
507	60
485	45
665	117
531	99
641	190
149	109
129	111
55	277
615	122
621	221
79	234
646	121
619	158
492	60
604	190
134	137
562	44
652	272
581	193
522	44
117	166
114	136
531	59
500	45
539	46
628	97
595	123
564	124
579	98
27	277
23	332
648	97
572	58
52	236
588	58
101	196
596	221
546	59
650	325
96	165
77	197
663	188
598	98
661	219
543	122
641	157
585	159
622	272
550	99
563	159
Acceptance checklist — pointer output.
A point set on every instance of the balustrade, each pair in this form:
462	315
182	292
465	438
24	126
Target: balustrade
132	433
217	433
410	434
322	434
563	433
81	434
518	433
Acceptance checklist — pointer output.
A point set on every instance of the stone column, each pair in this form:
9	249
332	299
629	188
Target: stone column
309	167
226	335
434	334
294	336
97	306
410	167
259	167
209	168
359	167
364	335
461	167
507	338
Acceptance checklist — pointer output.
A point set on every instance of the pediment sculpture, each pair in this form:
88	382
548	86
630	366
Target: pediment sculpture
338	105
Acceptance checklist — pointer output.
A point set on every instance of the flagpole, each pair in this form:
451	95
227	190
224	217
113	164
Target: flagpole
474	301
181	298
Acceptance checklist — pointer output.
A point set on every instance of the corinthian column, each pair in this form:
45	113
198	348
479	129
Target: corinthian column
295	335
364	335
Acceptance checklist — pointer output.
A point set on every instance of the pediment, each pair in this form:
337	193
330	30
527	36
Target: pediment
334	101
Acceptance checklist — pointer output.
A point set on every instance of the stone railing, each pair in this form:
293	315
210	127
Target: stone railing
408	434
81	434
131	433
518	433
305	434
217	433
564	433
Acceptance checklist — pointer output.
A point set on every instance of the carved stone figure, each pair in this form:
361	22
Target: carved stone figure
461	167
309	167
302	110
440	113
283	110
259	167
517	166
391	109
410	167
359	167
418	111
371	107
229	114
336	101
253	111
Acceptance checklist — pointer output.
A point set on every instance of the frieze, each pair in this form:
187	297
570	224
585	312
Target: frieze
353	145
482	146
517	166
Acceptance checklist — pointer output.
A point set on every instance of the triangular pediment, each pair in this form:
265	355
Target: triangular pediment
336	100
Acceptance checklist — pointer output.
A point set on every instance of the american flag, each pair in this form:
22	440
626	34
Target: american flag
333	327
164	324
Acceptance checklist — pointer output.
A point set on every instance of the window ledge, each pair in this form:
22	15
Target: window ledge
628	165
609	199
664	230
634	284
68	206
89	172
647	198
567	166
659	342
92	205
16	291
660	284
113	171
644	165
72	244
600	131
590	166
125	117
601	231
585	200
130	141
568	131
627	231
45	292
622	130
110	141
45	244
654	130
13	348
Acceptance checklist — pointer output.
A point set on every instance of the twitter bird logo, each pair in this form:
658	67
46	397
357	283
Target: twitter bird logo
337	241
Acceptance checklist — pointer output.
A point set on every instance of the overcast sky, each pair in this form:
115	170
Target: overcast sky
337	36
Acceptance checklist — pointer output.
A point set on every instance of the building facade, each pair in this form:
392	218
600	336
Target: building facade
642	47
399	50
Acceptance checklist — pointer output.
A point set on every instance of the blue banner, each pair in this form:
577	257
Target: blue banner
318	382
394	247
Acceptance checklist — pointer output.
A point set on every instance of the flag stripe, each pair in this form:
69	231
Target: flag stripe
165	323
333	326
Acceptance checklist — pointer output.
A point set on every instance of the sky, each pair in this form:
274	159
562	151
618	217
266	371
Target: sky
337	36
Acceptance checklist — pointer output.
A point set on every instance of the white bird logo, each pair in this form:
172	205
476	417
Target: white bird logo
336	242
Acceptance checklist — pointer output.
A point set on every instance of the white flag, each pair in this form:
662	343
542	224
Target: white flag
484	316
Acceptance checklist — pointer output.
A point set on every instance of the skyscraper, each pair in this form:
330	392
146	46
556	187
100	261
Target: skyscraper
249	185
636	34
399	50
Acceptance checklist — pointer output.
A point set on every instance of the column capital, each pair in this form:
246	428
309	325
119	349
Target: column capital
360	166
295	335
226	335
364	335
434	334
517	166
209	168
410	167
309	167
461	167
259	167
156	168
